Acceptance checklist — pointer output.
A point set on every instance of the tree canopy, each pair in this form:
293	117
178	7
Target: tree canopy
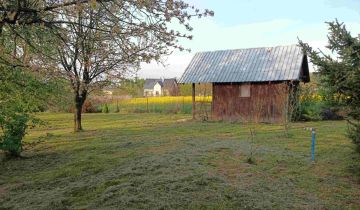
340	72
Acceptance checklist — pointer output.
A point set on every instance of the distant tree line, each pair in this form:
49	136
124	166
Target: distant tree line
132	87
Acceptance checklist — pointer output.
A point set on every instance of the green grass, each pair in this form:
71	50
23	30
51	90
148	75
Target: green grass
157	161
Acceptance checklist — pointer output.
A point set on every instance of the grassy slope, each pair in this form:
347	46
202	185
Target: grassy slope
156	161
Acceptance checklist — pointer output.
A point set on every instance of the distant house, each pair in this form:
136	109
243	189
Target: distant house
153	87
170	87
161	87
249	84
108	92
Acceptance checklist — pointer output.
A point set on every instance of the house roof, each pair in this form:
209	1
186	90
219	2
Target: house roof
168	83
150	83
279	63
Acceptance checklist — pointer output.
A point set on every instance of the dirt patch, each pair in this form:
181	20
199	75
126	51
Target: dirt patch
230	165
3	191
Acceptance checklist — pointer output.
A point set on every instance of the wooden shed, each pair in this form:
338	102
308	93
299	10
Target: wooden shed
253	84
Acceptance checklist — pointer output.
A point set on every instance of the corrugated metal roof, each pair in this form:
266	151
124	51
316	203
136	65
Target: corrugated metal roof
246	65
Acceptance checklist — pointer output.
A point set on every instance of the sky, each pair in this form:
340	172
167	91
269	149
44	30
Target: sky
257	23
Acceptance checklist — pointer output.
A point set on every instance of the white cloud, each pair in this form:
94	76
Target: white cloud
174	67
209	35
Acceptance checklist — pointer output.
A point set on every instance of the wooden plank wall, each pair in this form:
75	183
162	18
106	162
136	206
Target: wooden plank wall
267	103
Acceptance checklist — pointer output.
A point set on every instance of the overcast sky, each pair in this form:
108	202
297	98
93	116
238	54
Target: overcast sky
257	23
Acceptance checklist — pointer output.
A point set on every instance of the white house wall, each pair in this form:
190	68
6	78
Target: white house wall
148	92
157	88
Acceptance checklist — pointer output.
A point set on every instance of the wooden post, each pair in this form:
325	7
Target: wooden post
183	104
212	101
147	104
193	100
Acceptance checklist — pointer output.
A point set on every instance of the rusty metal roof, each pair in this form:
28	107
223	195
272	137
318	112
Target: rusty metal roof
248	65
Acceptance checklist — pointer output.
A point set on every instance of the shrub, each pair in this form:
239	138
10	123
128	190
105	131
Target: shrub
330	114
88	107
310	110
354	133
105	109
20	95
14	129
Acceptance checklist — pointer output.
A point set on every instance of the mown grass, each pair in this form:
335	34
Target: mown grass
156	161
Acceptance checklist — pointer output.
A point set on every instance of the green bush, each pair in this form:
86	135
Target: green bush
20	95
354	134
311	110
105	109
14	129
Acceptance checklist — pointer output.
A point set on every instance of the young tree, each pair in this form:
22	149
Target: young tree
340	72
109	39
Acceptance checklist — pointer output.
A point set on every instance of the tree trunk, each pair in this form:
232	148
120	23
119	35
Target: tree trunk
77	115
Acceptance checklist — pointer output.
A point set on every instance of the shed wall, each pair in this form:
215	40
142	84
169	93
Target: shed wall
267	102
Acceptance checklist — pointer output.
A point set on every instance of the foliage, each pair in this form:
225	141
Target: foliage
310	110
316	103
105	108
14	126
20	94
32	12
23	86
132	87
311	102
354	134
61	99
340	73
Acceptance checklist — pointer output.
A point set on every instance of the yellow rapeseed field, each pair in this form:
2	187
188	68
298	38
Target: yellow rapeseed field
311	97
166	100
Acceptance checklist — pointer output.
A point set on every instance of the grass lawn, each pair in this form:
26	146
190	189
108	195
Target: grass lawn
158	161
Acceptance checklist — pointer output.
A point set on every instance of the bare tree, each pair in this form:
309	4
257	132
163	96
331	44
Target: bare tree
288	98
